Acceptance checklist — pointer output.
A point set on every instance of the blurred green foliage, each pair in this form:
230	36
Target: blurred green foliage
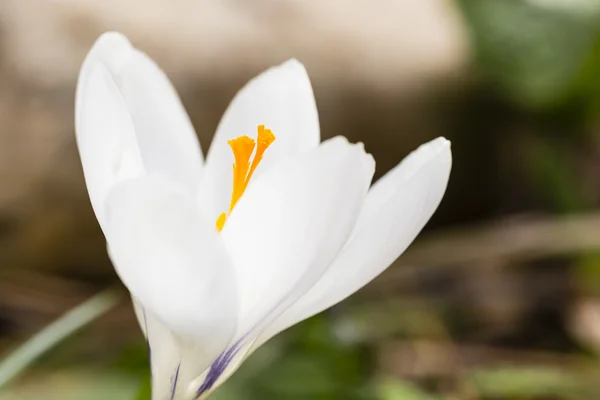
400	390
542	53
306	363
532	383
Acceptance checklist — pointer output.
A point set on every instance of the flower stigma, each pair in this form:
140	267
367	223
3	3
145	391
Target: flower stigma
242	148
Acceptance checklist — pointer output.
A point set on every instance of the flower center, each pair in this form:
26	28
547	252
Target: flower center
242	148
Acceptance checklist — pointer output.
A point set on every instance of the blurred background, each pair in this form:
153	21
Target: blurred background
499	298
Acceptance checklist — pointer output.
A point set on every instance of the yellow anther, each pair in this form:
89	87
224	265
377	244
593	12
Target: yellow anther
265	138
221	221
242	148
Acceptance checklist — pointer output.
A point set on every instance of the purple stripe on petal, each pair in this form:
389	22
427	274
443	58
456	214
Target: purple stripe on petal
218	367
175	378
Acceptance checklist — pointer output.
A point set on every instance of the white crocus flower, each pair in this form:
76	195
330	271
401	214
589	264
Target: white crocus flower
217	264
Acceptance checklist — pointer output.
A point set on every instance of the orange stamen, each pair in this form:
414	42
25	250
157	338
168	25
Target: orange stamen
265	138
242	148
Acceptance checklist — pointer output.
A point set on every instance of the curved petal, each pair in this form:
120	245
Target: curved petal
414	166
166	138
174	363
280	98
174	264
164	351
106	137
284	232
396	209
291	224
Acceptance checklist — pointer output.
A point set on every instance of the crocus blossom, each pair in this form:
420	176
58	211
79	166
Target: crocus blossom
218	259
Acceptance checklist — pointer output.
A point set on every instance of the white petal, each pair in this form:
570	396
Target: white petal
164	352
290	225
166	138
101	50
397	208
433	157
281	99
106	137
173	263
284	232
173	360
139	314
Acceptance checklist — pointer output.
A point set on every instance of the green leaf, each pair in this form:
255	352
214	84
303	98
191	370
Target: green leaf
59	330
